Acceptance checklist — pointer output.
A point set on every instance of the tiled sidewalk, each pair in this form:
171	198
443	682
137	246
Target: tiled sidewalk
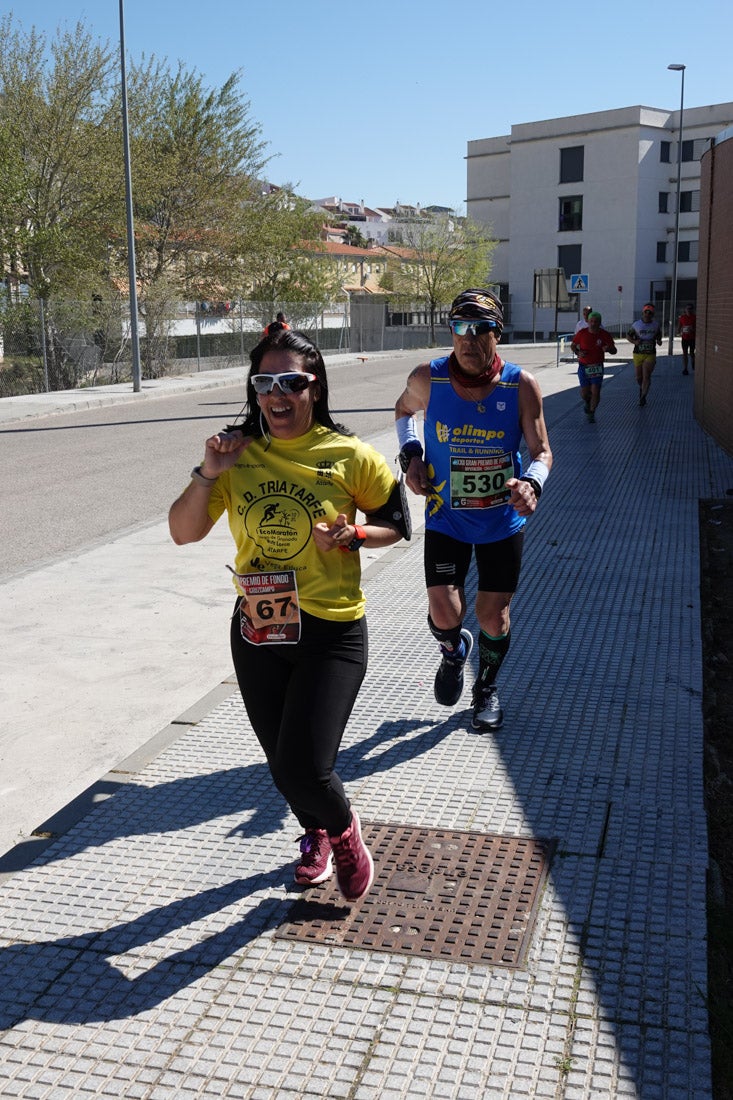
139	955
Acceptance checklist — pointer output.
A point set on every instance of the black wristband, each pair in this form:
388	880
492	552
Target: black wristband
535	485
411	450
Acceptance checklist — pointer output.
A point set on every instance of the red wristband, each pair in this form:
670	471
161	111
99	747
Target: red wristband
357	541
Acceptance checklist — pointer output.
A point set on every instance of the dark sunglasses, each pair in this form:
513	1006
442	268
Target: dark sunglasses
473	328
289	382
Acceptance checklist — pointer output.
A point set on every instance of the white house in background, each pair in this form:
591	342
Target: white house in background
594	194
385	225
372	224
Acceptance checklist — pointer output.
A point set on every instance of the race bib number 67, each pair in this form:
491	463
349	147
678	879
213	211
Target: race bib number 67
269	611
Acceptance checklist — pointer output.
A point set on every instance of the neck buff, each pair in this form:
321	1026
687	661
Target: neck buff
473	381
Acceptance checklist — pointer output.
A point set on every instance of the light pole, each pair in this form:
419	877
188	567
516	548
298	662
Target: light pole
673	306
131	265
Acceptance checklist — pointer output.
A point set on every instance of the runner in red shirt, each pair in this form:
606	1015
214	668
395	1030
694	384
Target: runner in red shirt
686	329
279	323
590	345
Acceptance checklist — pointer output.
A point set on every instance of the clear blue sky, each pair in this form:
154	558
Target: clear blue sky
376	101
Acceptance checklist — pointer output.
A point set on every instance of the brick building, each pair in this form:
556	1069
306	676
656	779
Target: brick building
714	373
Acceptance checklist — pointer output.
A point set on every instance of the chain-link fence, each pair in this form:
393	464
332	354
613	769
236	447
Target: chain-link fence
59	345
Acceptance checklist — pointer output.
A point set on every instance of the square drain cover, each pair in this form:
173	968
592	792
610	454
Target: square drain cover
470	897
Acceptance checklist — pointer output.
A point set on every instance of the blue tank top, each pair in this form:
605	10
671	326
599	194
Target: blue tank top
471	454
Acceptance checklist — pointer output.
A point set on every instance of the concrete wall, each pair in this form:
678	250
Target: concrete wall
714	368
488	196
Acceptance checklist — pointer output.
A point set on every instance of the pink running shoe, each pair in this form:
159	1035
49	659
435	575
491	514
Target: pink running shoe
316	861
354	864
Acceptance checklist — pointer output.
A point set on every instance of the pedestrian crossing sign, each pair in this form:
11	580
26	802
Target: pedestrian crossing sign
578	283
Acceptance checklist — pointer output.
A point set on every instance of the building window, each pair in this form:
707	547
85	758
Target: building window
571	213
665	150
661	252
689	202
663	202
502	292
571	164
687	251
569	259
694	149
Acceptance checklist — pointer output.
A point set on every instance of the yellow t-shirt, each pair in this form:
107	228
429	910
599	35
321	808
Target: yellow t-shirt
273	496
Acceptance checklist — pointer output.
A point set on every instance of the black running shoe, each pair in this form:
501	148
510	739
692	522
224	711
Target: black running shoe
449	677
487	713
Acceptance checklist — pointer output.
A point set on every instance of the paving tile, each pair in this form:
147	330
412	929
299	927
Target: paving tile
138	953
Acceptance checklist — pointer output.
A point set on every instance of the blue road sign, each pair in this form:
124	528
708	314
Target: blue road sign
578	283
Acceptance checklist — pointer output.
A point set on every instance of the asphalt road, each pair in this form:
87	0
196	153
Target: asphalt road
74	480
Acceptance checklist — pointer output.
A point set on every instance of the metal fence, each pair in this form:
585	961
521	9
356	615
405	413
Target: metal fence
47	346
65	345
61	345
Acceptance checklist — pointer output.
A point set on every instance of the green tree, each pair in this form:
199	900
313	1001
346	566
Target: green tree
56	205
355	237
205	226
196	157
439	258
285	262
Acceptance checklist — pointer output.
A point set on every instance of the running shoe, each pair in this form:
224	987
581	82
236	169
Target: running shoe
316	858
487	713
354	864
449	677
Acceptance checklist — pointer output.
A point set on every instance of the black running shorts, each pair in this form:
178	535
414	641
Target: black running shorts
498	564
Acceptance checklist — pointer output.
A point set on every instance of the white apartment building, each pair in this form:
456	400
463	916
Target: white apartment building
595	195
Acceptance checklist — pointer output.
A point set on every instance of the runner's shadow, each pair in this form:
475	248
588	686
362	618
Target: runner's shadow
80	979
136	810
111	811
391	744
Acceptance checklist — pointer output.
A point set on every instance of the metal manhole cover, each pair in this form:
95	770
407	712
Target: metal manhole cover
448	894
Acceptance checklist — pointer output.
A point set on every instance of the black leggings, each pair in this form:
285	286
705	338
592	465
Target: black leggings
298	699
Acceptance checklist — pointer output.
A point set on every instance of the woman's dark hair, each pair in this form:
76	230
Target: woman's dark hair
288	340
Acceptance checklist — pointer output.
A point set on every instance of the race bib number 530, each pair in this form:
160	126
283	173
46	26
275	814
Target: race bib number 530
480	482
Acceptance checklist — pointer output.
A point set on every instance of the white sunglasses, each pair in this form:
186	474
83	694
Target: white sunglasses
289	382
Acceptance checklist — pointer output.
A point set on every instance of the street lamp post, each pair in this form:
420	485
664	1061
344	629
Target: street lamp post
131	264
673	306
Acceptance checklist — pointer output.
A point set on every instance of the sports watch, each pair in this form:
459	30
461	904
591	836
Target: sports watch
411	450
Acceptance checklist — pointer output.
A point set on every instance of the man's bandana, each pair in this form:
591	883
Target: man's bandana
478	305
